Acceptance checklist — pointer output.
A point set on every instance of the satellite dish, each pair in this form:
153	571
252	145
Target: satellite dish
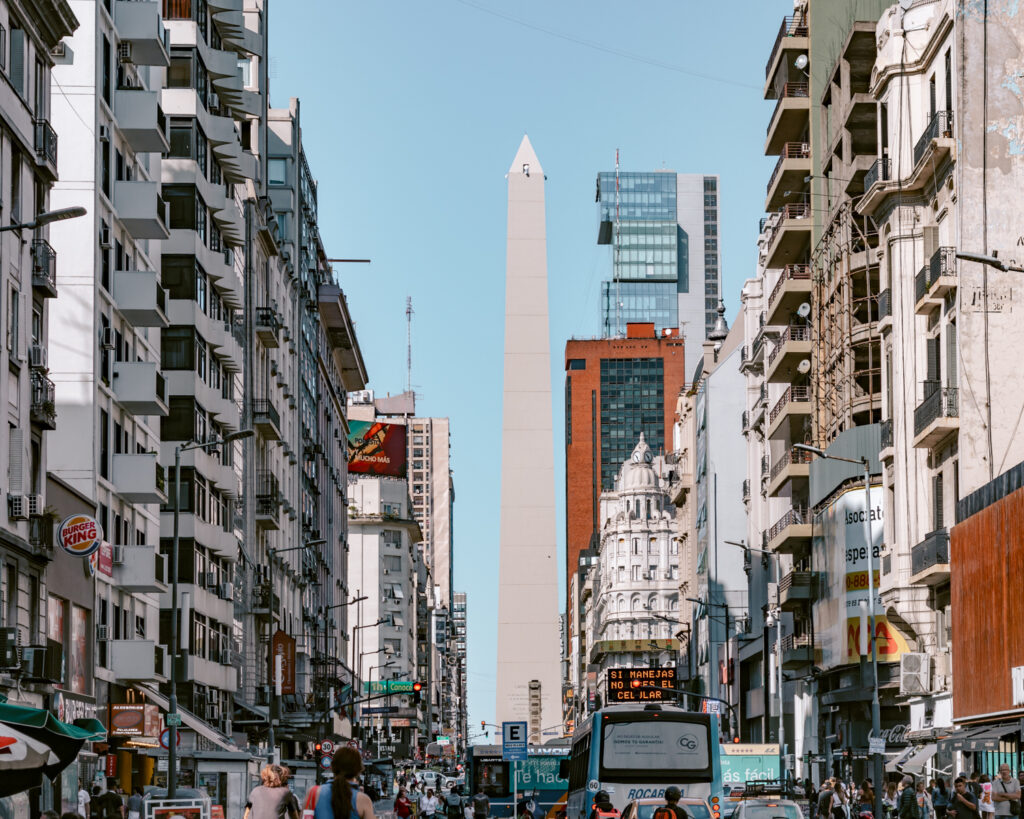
804	310
804	366
801	61
906	4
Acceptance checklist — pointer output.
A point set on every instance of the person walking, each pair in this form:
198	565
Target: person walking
429	804
825	799
455	805
840	802
1006	793
481	805
672	797
341	798
963	804
271	799
403	805
940	798
924	800
135	803
907	807
83	802
866	799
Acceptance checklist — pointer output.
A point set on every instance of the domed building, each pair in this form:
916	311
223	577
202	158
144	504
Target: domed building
633	613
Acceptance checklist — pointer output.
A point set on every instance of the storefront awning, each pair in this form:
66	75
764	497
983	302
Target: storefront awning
895	763
985	738
921	755
192	721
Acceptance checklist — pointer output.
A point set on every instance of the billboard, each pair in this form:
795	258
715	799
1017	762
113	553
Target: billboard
376	448
620	684
743	763
840	557
284	658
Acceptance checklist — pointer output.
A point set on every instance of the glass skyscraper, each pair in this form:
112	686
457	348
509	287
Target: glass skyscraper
664	240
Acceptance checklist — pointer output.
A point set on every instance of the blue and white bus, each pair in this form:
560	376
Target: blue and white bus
636	751
538	780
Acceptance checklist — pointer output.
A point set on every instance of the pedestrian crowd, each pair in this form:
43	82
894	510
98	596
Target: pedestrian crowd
978	796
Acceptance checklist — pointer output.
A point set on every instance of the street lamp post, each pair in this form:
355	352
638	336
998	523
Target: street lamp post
172	700
778	650
876	711
45	218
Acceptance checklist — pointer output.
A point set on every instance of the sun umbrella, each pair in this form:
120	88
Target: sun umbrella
34	743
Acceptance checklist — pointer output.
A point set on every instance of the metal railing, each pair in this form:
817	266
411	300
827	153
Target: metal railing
46	141
932	551
791	642
792	456
797	392
793	332
884	304
939	402
764	466
794	517
795	579
940	125
791	272
746	489
886	433
880	169
44	264
942	263
43	406
792	26
790	150
267	317
791	90
264	409
266	484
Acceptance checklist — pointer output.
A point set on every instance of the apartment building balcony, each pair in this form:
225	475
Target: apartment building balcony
752	358
140	388
44	268
141	209
791	170
266	419
792	289
878	184
45	139
141	119
795	590
746	489
935	281
929	559
268	327
791	348
139	478
141	660
790	534
791	117
791	41
937	417
140	569
935	144
886	452
140	298
797	651
791	240
268	500
760	408
43	409
229	222
792	465
139	24
790	412
884	302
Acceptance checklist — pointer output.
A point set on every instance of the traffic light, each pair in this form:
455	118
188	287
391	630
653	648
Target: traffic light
318	748
417	689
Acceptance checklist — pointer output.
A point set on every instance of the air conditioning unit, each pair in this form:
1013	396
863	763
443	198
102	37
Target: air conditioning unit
915	676
117	555
10	647
37	357
227	591
225	657
211	580
102	633
36	504
17	507
107	338
213	101
124	52
213	713
105	237
104	133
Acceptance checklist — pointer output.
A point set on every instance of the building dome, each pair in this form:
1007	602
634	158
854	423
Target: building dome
637	471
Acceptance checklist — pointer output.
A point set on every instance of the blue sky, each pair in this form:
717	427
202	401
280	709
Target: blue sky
412	111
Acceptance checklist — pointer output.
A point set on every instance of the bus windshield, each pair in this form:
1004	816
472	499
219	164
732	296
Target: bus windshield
629	746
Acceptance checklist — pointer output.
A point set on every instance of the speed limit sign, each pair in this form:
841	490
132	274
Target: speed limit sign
327	746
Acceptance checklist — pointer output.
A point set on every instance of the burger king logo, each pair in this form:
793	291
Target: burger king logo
79	535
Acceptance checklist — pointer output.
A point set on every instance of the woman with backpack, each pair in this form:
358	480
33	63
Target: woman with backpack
341	798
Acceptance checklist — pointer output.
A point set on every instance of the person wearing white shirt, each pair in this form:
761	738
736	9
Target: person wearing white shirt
429	804
83	802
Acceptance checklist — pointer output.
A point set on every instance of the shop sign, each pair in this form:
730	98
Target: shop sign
68	709
284	648
127	720
105	562
111	766
80	535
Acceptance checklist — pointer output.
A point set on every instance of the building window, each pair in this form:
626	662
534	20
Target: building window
277	172
17	72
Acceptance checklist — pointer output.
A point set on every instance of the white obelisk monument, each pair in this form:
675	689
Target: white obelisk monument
529	678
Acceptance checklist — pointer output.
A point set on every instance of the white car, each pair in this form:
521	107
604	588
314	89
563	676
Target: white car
767	808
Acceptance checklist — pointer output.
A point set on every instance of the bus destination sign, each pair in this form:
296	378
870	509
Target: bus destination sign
636	684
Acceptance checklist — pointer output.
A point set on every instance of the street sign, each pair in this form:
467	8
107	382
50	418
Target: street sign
621	686
325	761
711	706
327	746
876	745
381	709
513	741
173	719
165	739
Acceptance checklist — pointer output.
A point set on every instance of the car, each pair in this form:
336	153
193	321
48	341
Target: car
695	808
767	808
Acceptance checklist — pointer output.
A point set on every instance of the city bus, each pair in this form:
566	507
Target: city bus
538	779
635	751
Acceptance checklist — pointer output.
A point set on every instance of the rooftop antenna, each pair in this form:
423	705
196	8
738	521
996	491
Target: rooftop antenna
615	258
408	340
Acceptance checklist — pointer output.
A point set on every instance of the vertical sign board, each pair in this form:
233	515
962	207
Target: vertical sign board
513	741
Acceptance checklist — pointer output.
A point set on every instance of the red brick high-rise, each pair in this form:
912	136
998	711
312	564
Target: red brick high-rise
615	388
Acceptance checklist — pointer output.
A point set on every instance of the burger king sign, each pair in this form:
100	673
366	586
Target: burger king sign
79	535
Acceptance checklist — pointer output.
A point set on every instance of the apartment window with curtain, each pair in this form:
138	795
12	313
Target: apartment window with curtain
16	74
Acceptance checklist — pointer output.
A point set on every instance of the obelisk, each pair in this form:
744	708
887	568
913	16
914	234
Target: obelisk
528	651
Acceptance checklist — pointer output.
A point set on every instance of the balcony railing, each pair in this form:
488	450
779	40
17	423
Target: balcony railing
792	456
745	418
884	304
792	642
792	26
942	263
939	402
798	392
887	433
795	578
794	517
790	272
746	489
932	551
880	170
764	466
263	408
941	125
161	480
266	484
790	150
44	266
43	408
46	142
762	395
794	332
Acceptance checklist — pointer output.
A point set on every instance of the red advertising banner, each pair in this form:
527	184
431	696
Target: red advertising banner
283	647
106	561
376	448
111	769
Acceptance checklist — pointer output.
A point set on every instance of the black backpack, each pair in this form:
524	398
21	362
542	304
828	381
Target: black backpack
454	809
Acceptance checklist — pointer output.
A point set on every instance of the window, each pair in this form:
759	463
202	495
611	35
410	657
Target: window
245	67
277	172
15	186
3	48
104	447
17	72
107	76
13	310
